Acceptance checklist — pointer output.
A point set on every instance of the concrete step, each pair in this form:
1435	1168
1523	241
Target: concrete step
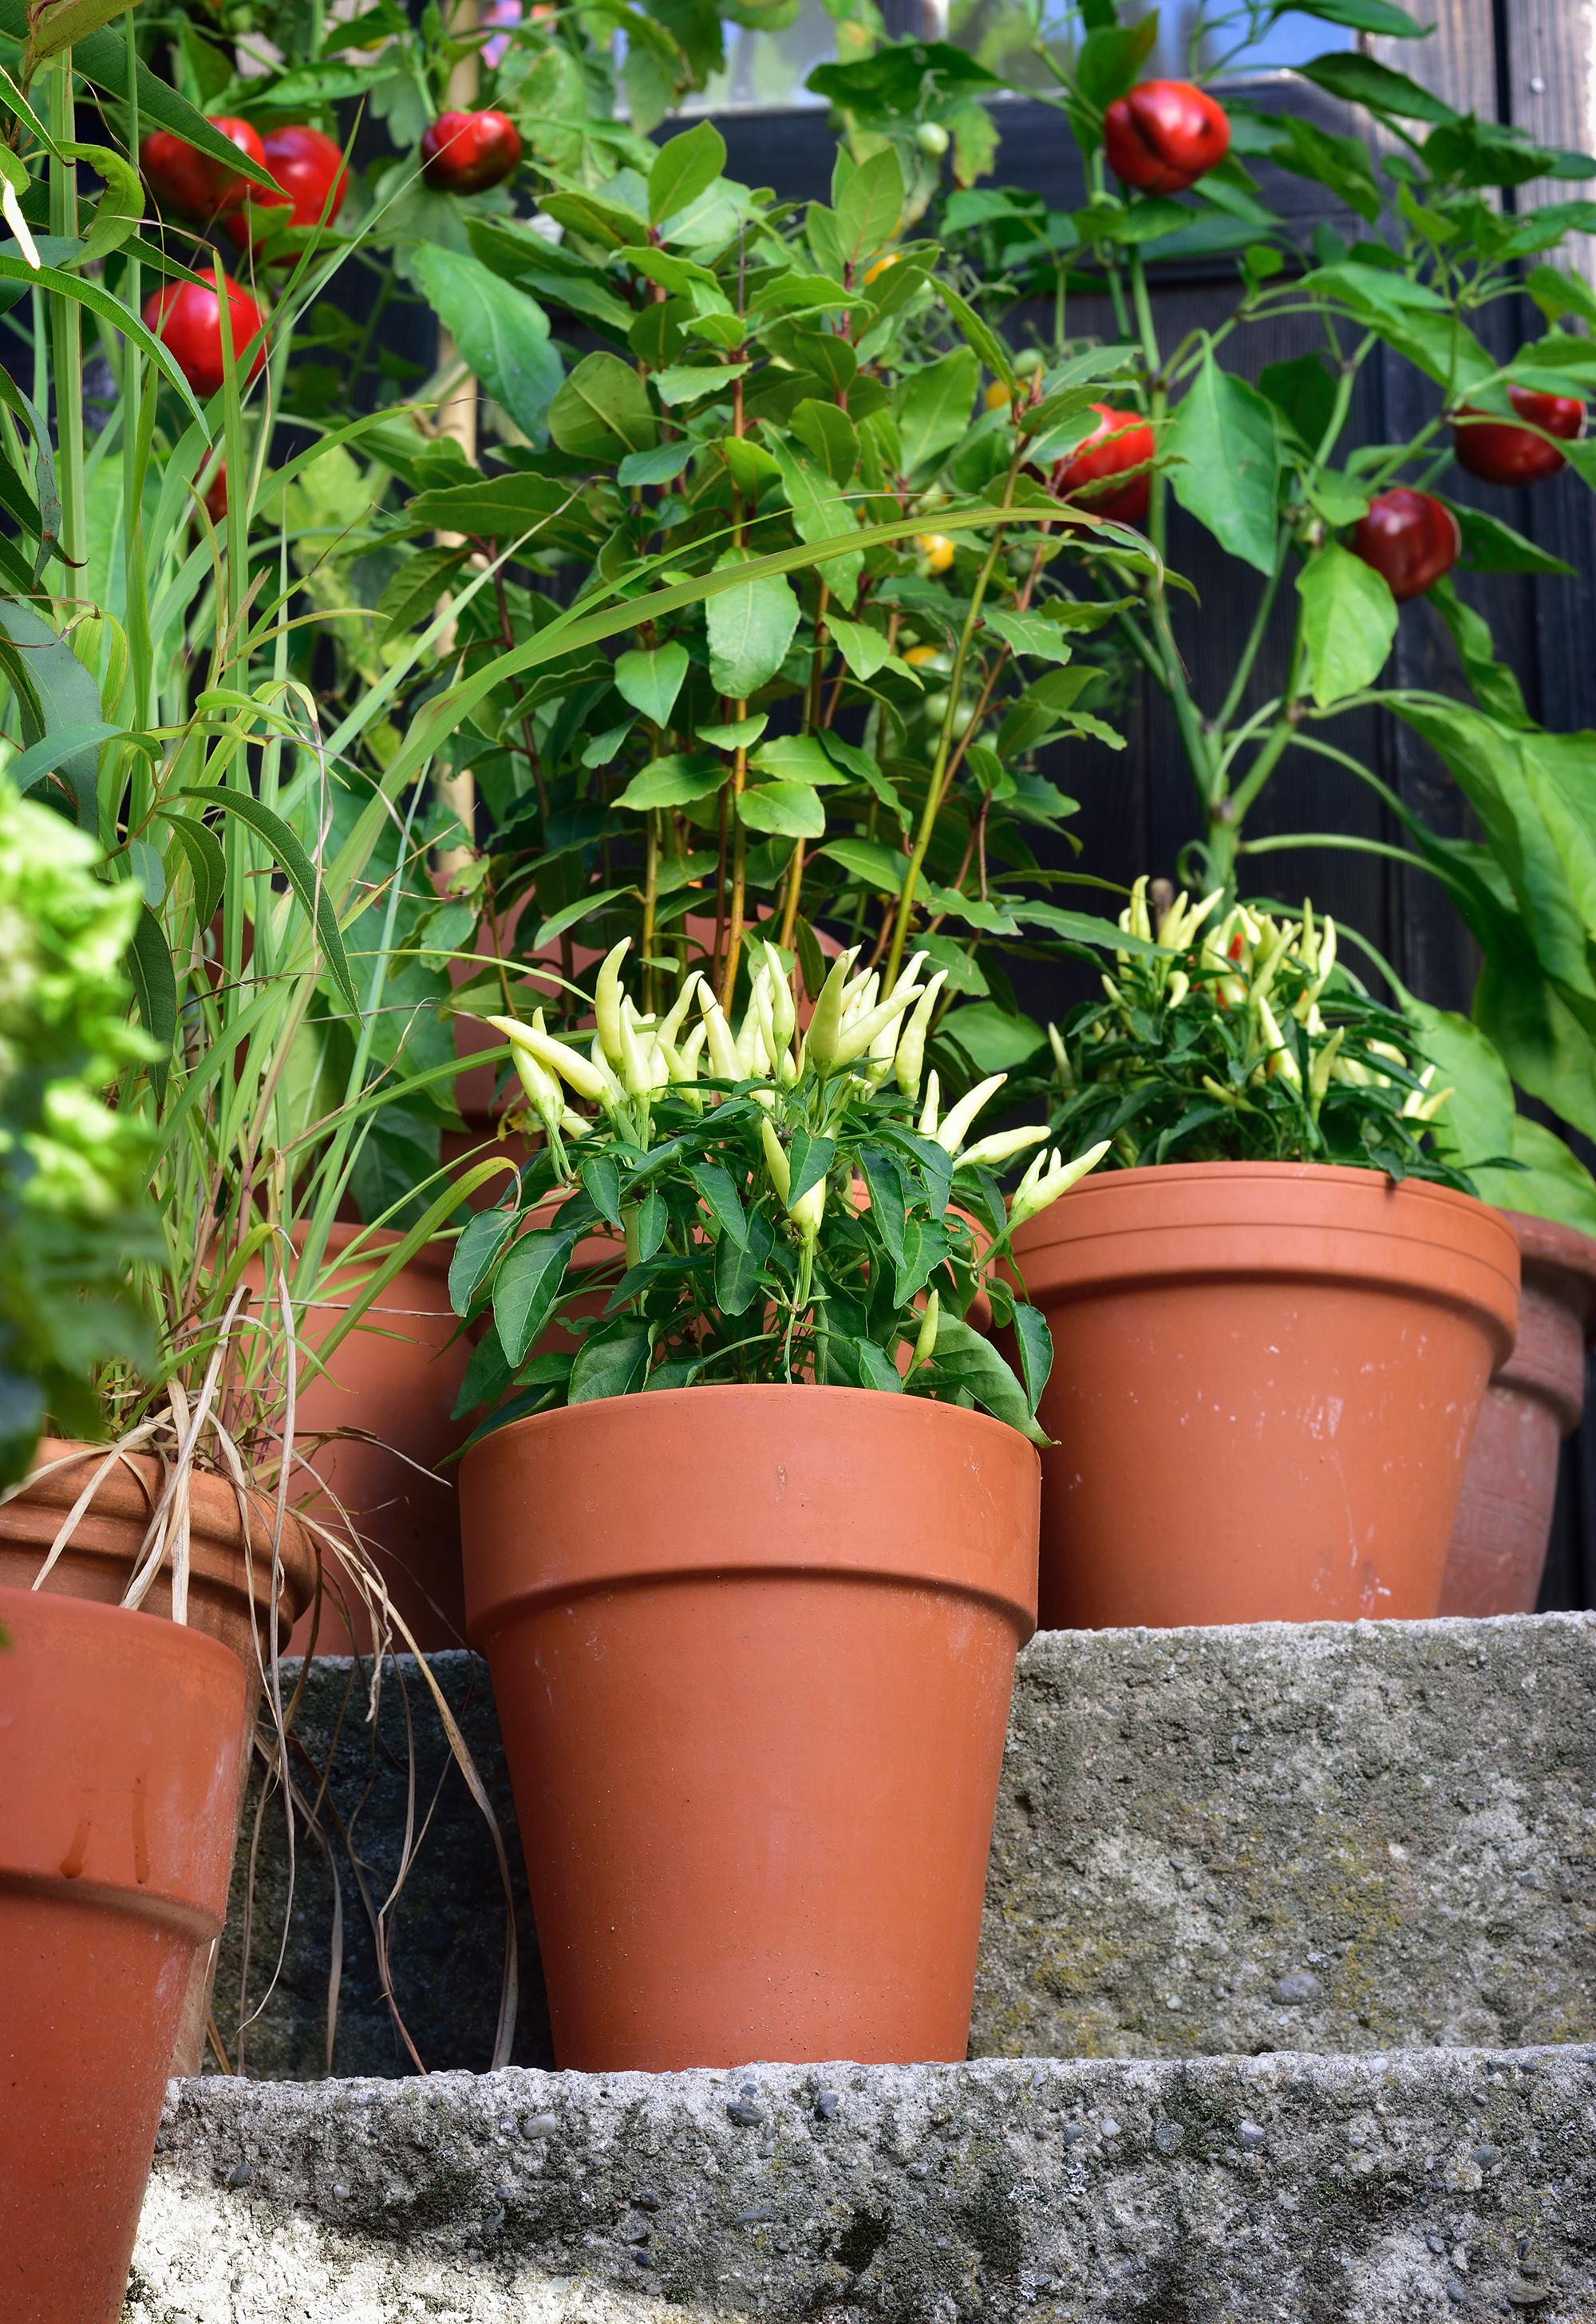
1369	2190
1329	1838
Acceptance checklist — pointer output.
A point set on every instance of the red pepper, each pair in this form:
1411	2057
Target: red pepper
188	321
466	152
1498	453
184	179
1164	135
1120	440
309	165
1409	538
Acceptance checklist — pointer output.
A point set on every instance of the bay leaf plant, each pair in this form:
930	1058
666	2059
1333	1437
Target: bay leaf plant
1435	272
781	1207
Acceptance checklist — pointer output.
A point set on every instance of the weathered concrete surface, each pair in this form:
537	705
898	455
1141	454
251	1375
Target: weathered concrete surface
1314	2190
1321	1838
1327	1838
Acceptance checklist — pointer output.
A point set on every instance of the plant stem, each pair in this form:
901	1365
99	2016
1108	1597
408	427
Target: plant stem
67	323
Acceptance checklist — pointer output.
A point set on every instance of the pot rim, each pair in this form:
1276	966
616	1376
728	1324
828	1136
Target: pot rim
1550	1248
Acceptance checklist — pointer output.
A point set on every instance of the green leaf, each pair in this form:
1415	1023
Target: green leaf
1493	684
1358	80
719	1190
501	330
1489	546
571	915
865	650
991	349
685	383
413	593
932	407
56	698
498	508
870	207
994	1039
155	989
102	57
1035	1343
79	743
479	1246
603	411
1553	1184
1111	56
737	1265
1342	164
307	881
207	863
674	782
487	1376
686	167
808	1159
660	466
798	759
613	1361
1224	433
790	810
819	513
888	1206
751	626
651	681
527	1288
1377	16
876	1369
651	1221
1027	634
830	435
600	1178
1349	621
963	1359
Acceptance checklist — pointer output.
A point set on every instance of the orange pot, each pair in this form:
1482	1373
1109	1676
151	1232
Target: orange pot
1265	1381
753	1650
229	1593
1536	1398
119	1744
397	1377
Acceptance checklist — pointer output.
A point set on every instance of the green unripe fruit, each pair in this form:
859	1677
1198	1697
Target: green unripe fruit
1028	363
933	139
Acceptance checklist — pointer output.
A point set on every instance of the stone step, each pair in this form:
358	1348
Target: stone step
1369	2190
1325	1838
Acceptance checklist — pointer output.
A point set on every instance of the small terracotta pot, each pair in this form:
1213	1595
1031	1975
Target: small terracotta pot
753	1650
99	1561
397	1377
1535	1399
1265	1381
119	1739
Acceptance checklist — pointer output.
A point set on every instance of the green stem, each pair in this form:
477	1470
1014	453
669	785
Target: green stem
67	323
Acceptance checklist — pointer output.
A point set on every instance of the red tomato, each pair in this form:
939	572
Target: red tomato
308	166
466	152
184	179
1410	538
1120	440
1164	135
1498	453
189	321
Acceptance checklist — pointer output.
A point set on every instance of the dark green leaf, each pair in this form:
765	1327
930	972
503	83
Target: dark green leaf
963	1359
652	1219
302	876
1489	546
611	1362
602	1179
474	1253
686	167
1358	80
1349	621
487	1375
603	411
737	1266
1035	1342
888	1206
1226	462
528	1287
155	989
719	1190
206	865
809	1160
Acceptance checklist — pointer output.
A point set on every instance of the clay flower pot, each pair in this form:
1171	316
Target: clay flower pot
753	1650
1265	1382
121	1741
1536	1398
229	1594
396	1377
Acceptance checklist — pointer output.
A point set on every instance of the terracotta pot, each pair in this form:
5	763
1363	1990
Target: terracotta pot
229	1597
752	1649
1265	1381
119	1744
397	1377
1535	1399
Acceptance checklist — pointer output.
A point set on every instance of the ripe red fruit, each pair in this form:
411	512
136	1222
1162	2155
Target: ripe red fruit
1410	538
1120	440
1498	453
186	181
308	166
466	152
1164	135
188	321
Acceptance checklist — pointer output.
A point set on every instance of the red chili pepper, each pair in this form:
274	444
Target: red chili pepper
1498	453
188	320
1410	537
1164	135
1120	440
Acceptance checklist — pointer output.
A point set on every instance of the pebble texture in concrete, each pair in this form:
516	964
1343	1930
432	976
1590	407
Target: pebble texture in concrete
1314	2190
1321	1838
1327	1838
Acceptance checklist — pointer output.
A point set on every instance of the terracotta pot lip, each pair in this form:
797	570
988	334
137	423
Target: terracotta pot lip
1119	1187
721	1393
1552	1249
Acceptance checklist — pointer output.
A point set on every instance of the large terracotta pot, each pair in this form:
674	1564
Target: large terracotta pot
229	1592
119	1746
397	1377
1264	1381
753	1650
1536	1398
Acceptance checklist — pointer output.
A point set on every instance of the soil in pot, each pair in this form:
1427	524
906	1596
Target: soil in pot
1265	1381
1535	1399
752	1649
120	1737
229	1591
